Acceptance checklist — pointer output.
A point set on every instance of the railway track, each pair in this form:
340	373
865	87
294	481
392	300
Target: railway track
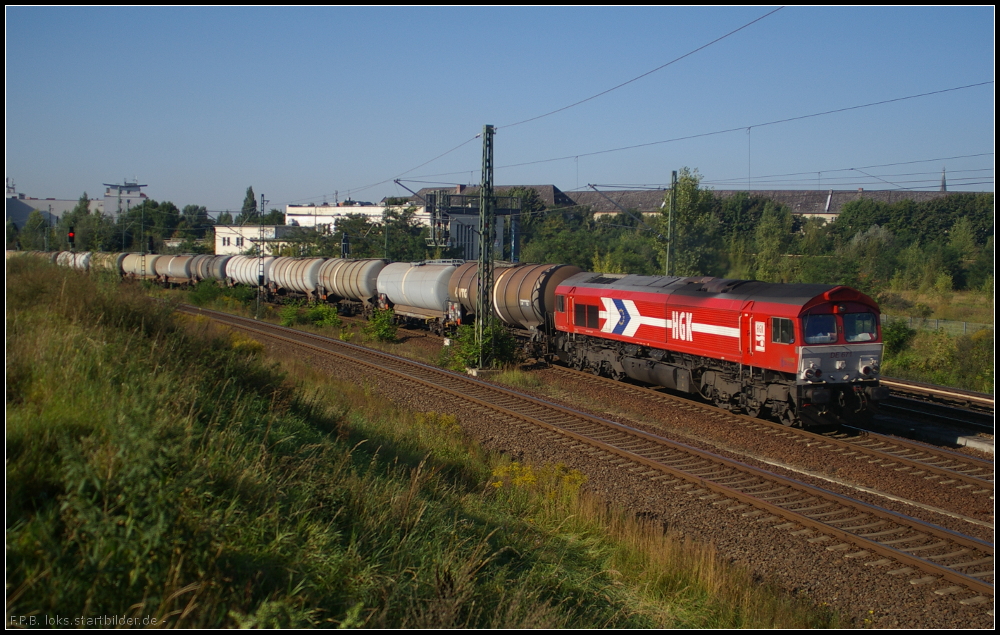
966	399
958	565
947	468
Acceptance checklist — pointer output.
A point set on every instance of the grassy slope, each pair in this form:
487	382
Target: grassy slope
162	469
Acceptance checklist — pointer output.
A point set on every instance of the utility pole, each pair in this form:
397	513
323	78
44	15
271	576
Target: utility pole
385	228
260	255
670	217
484	301
124	223
142	242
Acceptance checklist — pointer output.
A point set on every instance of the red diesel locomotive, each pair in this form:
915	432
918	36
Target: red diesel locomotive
803	353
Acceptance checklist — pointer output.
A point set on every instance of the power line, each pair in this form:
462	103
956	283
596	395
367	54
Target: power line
688	54
864	167
634	79
366	187
740	128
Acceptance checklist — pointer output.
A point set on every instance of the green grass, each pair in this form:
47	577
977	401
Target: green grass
162	467
934	357
961	306
517	378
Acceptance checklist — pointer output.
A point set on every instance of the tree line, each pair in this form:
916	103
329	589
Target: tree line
941	245
150	224
944	244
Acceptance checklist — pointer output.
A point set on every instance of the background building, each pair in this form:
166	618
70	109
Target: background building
118	199
232	240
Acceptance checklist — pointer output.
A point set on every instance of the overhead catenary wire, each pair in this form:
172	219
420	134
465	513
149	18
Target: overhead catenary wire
743	127
592	97
863	167
634	79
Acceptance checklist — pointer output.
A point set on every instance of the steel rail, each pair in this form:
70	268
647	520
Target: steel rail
917	388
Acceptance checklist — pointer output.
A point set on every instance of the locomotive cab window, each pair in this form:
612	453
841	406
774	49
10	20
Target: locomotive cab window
820	329
561	303
860	327
782	331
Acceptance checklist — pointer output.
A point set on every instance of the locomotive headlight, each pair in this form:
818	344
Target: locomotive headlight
812	374
870	369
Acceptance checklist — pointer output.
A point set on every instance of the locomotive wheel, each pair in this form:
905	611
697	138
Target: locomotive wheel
787	418
753	410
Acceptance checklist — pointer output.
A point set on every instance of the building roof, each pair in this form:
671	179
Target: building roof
806	202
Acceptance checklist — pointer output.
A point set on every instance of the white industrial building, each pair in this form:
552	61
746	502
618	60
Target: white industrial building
324	217
232	240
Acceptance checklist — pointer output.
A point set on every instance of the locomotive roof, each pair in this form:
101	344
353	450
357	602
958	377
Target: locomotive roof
795	294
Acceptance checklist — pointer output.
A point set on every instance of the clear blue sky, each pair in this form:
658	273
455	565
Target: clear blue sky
302	102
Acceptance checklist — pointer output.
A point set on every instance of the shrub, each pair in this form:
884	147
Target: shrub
464	353
290	314
205	292
382	326
896	336
323	315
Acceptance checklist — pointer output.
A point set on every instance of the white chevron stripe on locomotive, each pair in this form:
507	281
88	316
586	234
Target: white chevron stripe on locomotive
629	319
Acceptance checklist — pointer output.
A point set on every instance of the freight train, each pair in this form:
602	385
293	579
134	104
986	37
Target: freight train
800	353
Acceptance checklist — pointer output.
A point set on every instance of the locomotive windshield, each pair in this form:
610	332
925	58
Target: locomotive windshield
820	329
860	327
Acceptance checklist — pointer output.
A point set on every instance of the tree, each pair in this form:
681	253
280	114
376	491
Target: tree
12	235
773	235
196	221
225	218
532	212
94	231
248	214
697	232
871	256
33	235
274	217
